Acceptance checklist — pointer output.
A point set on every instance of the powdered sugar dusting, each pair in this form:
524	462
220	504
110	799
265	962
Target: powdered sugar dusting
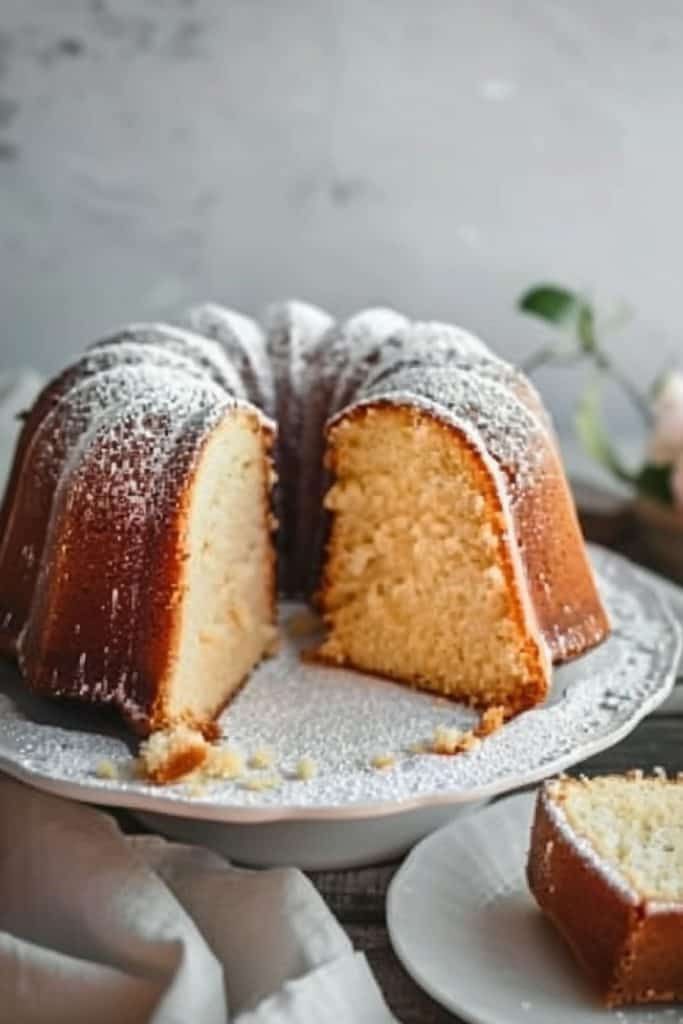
509	431
295	333
360	345
204	352
245	345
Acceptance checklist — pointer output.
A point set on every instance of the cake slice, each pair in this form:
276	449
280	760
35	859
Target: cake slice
156	588
454	559
606	866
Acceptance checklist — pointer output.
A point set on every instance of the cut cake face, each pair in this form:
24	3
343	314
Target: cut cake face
422	581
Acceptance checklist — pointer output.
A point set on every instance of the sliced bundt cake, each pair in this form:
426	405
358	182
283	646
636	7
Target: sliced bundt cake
417	469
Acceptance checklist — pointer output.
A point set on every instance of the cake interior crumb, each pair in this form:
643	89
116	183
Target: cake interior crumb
634	824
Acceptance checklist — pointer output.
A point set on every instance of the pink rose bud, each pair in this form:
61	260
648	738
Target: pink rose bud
677	482
666	441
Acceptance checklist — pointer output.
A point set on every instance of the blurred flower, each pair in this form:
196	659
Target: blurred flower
677	481
666	441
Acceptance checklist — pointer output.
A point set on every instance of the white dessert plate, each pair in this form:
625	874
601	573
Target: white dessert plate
464	925
343	720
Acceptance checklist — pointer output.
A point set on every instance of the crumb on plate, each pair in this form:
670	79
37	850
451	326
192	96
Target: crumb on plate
383	762
170	754
262	757
306	769
224	763
106	769
450	740
490	721
258	783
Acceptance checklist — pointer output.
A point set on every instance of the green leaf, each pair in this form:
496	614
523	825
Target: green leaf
552	303
655	482
594	437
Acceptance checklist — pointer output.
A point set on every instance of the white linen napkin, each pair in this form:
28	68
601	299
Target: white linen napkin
99	926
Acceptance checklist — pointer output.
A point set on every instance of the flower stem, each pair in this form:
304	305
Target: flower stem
542	356
606	365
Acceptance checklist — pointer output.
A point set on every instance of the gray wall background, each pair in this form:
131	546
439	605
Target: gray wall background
439	156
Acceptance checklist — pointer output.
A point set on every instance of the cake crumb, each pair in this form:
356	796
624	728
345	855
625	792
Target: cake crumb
469	742
306	769
383	762
260	782
491	721
636	774
170	754
453	741
224	763
659	772
106	769
446	739
262	757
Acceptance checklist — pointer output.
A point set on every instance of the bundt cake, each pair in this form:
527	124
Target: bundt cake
420	496
606	866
